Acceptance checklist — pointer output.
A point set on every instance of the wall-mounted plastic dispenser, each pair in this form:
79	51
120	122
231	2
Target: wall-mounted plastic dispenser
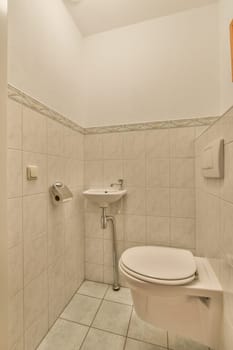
213	160
60	193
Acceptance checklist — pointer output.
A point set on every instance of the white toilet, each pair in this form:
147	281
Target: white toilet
174	290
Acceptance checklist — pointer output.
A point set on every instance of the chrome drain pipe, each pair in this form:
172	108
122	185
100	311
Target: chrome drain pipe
104	223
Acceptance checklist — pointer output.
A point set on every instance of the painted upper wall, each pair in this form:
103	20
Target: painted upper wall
45	54
166	68
226	84
94	16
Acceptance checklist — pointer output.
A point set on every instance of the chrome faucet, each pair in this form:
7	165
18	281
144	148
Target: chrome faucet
119	183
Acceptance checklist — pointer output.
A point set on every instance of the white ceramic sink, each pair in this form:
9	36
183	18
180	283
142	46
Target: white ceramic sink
104	197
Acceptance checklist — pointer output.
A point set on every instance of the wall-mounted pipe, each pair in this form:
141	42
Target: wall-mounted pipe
104	223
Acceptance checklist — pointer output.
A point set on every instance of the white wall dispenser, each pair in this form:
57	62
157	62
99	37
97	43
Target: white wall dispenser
60	193
212	160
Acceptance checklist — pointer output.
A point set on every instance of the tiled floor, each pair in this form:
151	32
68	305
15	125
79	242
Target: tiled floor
97	318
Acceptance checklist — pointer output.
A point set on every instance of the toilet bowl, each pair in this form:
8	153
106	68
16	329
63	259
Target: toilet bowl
174	290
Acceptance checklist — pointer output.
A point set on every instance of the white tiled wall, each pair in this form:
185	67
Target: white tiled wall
46	243
215	219
159	173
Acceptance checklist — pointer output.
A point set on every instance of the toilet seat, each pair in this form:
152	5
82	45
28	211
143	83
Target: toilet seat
159	281
161	265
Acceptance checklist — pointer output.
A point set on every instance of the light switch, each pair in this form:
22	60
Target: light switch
32	172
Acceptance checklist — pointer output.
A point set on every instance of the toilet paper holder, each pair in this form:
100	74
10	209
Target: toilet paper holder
60	193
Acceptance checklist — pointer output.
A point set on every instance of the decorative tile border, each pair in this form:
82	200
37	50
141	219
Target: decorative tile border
30	102
228	113
168	124
37	106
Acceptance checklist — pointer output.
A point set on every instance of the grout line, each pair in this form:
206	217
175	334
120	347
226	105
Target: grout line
52	325
109	286
128	328
62	318
126	336
218	196
104	299
22	216
93	319
72	321
89	296
117	302
168	346
144	158
161	347
114	333
94	327
107	331
170	190
80	347
47	237
101	303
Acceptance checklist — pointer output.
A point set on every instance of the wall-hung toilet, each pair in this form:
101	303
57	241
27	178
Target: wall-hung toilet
174	290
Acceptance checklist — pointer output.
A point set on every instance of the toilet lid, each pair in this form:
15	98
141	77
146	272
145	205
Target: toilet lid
160	263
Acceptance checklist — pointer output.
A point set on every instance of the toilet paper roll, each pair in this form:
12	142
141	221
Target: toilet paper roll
60	193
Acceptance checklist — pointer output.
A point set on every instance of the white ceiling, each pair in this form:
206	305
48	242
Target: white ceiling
94	16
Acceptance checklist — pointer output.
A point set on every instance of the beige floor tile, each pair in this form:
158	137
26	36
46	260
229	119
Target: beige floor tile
81	309
122	296
93	289
64	336
113	317
143	331
100	340
179	343
132	344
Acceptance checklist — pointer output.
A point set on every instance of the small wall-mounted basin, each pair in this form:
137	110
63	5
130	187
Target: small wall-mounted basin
104	197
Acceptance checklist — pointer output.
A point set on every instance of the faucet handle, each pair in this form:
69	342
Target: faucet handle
119	183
